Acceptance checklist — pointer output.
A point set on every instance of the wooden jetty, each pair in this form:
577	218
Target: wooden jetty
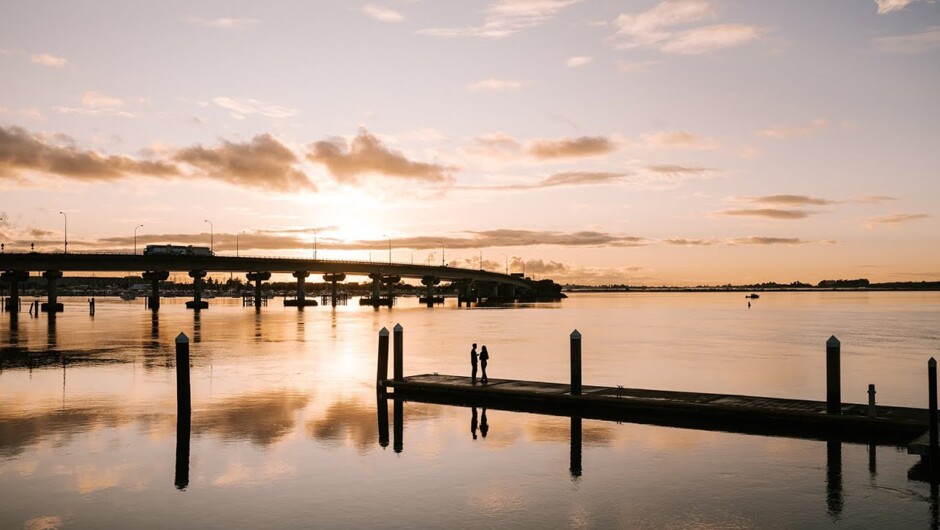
830	419
734	413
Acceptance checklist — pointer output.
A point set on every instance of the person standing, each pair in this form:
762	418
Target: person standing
473	363
484	357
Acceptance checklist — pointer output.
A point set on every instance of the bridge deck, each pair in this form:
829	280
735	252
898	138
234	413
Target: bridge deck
758	415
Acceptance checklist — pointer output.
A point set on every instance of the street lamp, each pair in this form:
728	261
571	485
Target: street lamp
211	235
442	253
135	238
66	231
314	243
236	242
481	259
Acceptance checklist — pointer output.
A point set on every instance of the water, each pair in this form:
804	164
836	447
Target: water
285	431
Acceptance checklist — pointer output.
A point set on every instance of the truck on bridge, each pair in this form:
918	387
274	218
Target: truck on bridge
177	250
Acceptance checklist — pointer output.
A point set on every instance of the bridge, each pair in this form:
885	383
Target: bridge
17	266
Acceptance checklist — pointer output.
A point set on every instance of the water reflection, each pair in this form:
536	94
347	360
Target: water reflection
382	413
262	418
19	430
197	326
575	459
50	331
399	425
473	423
834	500
183	428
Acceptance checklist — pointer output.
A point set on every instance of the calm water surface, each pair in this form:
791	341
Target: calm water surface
285	424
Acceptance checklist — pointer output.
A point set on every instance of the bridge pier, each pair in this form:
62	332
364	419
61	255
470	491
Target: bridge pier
52	305
334	277
301	300
197	303
430	282
390	282
258	277
155	277
14	278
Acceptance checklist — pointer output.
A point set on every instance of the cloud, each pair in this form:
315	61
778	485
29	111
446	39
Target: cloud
675	169
922	42
366	154
676	140
874	199
495	85
496	145
242	106
690	242
506	238
762	240
506	17
96	100
264	162
793	200
381	13
895	219
224	23
788	132
583	146
21	151
568	178
574	62
48	60
770	213
888	6
657	28
711	38
635	67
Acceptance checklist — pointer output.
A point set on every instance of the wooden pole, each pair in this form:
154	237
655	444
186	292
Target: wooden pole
399	352
872	412
381	374
932	388
833	376
575	363
183	393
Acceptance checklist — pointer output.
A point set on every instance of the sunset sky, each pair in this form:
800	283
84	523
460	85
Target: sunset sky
638	142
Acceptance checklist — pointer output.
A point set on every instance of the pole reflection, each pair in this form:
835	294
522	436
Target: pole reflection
399	420
381	407
834	497
183	429
575	458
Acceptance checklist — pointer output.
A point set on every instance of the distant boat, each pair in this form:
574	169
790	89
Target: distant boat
752	295
128	295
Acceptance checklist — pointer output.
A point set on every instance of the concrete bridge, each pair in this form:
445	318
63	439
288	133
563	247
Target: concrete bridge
17	266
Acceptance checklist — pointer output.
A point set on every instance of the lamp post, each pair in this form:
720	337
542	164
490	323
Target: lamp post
1	244
442	253
314	243
236	242
66	231
211	235
135	238
389	247
481	259
506	256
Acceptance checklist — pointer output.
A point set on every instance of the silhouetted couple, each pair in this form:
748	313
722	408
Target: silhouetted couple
484	426
483	357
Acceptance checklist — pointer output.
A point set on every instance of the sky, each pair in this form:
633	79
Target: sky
678	142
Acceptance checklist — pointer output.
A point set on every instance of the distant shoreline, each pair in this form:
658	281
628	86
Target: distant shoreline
746	289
